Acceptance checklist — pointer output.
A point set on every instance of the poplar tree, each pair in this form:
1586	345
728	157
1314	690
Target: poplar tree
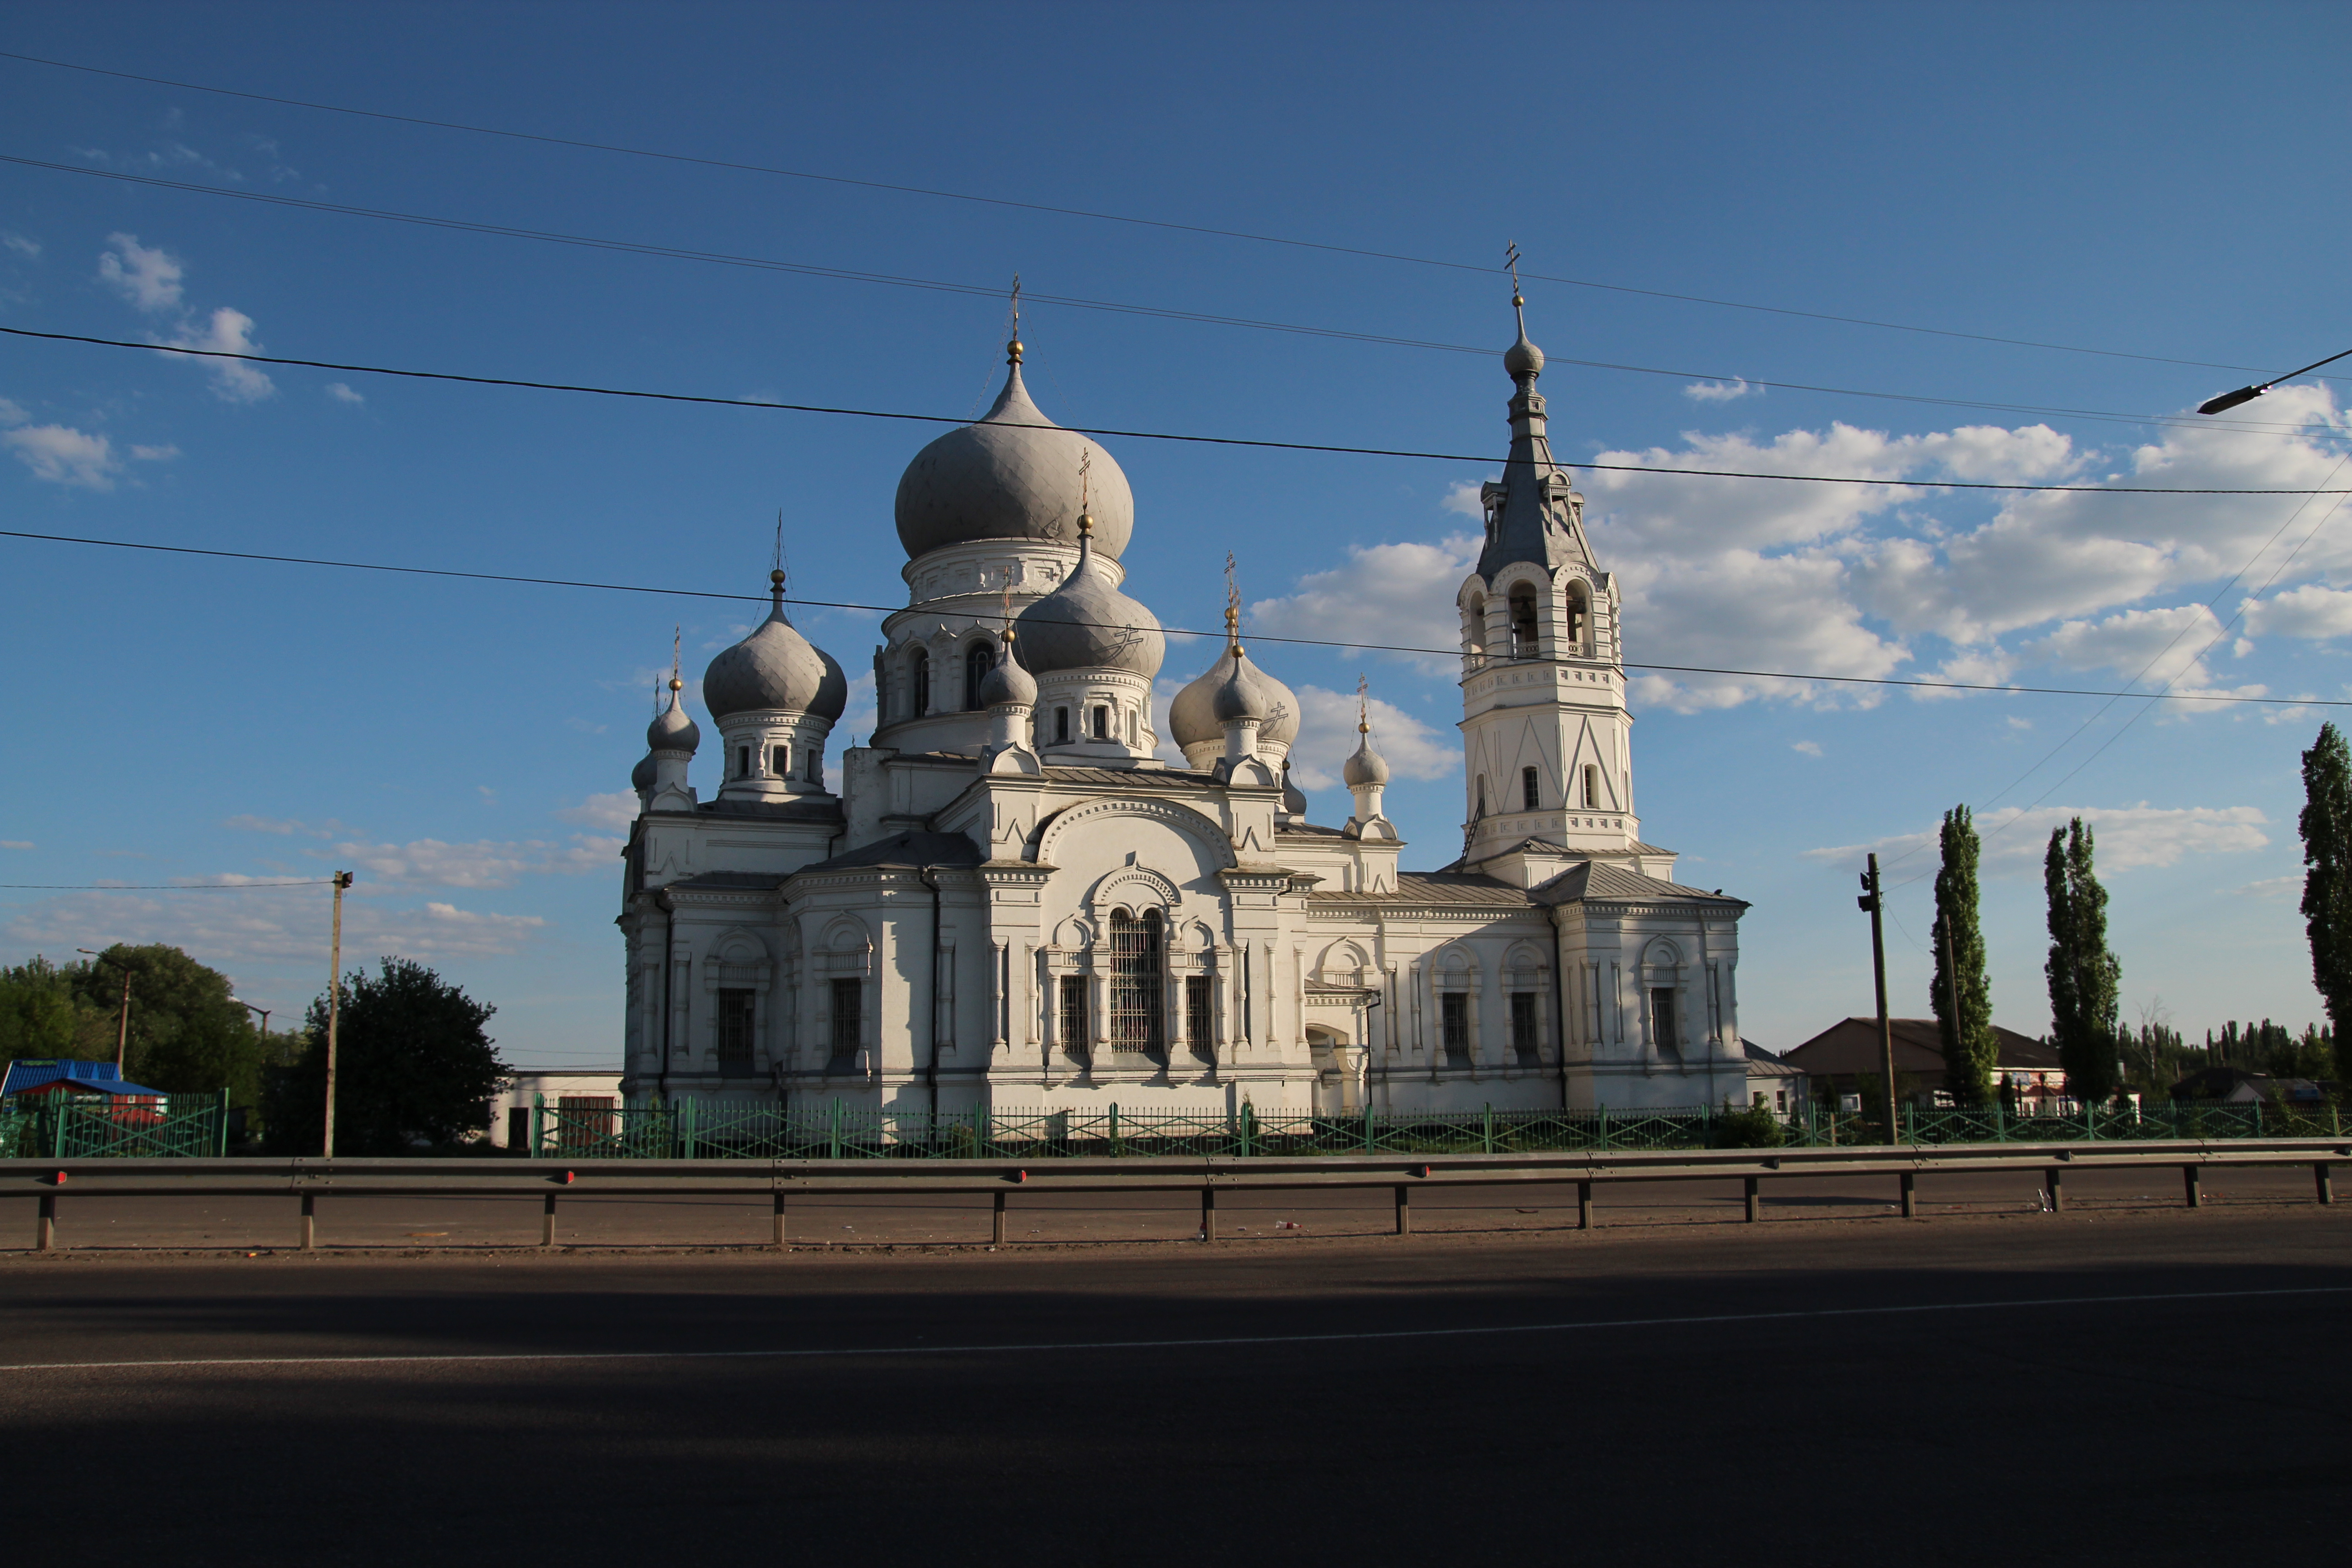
2326	827
2085	981
1968	1037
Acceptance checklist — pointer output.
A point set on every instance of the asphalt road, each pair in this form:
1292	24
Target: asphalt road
2123	1384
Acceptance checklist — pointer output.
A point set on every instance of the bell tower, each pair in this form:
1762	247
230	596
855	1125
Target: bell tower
1547	739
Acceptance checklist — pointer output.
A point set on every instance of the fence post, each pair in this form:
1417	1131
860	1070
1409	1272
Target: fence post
1368	1127
45	1230
1114	1129
1403	1210
221	1142
2000	1121
1249	1128
537	1124
1911	1125
1488	1134
1604	1127
58	1127
832	1138
309	1222
686	1120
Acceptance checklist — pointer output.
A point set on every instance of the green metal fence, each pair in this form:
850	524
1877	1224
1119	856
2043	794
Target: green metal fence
92	1126
830	1129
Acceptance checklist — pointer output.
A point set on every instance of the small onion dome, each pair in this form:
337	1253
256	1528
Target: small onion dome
1007	684
673	731
1523	360
1085	622
1294	799
1012	475
775	668
641	777
1192	718
1366	766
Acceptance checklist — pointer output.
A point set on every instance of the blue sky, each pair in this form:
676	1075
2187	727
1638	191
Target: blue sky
2154	181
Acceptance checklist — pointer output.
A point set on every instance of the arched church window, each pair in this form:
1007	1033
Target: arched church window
782	765
976	665
1524	637
1580	618
1591	787
1102	723
1527	789
1135	945
918	675
1474	624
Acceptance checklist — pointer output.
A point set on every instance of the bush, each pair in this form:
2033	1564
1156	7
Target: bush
1754	1127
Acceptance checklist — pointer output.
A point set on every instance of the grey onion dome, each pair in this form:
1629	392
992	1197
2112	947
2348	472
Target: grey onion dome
1238	697
673	731
1008	683
1192	718
641	777
775	669
1015	474
1522	360
1085	622
1365	766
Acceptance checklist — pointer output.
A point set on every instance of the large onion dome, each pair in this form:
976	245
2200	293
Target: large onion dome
672	730
1085	622
1012	475
1193	717
775	668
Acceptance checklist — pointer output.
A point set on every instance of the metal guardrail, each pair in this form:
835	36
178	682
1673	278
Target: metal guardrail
782	1180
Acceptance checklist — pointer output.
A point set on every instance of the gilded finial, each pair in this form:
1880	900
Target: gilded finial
1232	606
1364	706
1012	349
677	635
1086	481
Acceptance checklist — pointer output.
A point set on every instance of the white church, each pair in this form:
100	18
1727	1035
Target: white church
1006	899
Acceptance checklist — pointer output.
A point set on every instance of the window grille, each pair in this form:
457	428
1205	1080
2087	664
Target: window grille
1135	1023
1524	1040
735	1033
1662	1022
1198	1026
1453	1017
848	1020
1527	789
1074	1015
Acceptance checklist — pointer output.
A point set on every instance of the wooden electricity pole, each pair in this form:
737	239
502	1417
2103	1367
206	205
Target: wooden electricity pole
335	996
1871	901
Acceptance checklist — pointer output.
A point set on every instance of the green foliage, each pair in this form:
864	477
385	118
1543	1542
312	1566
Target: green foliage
43	1016
1754	1127
1970	1048
2085	981
188	1036
2326	825
412	1067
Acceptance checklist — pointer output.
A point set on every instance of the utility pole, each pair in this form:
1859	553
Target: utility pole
335	994
1871	901
123	1027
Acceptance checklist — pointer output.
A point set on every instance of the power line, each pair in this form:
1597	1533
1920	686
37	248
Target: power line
157	887
1170	631
1157	312
1486	459
1108	217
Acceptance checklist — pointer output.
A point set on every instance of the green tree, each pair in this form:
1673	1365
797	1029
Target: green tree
2085	981
1970	1048
189	1035
43	1016
2326	825
412	1067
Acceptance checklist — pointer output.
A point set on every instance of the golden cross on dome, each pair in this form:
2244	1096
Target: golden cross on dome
1012	349
1511	260
1232	606
1363	705
677	635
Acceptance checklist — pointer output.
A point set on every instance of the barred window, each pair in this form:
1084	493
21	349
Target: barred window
848	1018
1199	1028
1074	1015
1662	1022
735	1032
1524	1044
1453	1020
1527	788
1135	1023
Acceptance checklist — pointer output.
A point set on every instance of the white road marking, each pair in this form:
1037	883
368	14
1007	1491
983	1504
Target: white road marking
841	1352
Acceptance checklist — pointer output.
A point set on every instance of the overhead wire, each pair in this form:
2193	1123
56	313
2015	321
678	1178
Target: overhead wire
158	887
1157	312
1487	458
1328	246
1798	676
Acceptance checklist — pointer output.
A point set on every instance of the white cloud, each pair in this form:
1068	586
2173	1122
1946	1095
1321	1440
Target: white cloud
2310	611
15	844
1464	499
1398	594
155	454
612	812
2158	647
12	412
2275	890
431	862
64	455
1811	748
229	331
342	394
30	249
1327	735
283	825
2128	837
1720	391
149	279
268	925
